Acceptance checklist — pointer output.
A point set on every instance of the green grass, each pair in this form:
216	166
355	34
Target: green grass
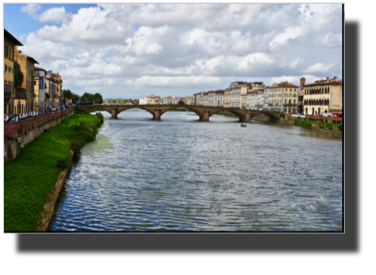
227	114
31	176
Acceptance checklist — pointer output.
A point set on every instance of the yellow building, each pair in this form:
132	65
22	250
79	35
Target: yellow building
323	96
283	97
25	93
10	42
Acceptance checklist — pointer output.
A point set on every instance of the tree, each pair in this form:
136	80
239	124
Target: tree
48	95
67	94
75	99
181	102
18	74
98	98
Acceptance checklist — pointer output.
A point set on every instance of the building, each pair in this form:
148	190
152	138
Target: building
244	97
40	89
25	92
236	88
10	42
59	89
169	100
150	100
290	97
323	96
205	99
50	86
266	98
227	98
283	97
301	95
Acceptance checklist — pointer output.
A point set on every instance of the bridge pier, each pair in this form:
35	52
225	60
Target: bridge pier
157	114
205	116
114	113
248	117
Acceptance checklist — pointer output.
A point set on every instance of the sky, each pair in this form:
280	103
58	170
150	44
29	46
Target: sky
134	50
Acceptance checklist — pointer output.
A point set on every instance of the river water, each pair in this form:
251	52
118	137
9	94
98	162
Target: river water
179	174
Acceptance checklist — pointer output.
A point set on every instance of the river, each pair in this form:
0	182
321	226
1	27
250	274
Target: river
179	174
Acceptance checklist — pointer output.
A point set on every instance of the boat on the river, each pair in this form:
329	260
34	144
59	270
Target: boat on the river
243	125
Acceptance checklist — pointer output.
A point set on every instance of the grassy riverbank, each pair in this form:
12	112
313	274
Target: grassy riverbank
30	177
226	114
321	124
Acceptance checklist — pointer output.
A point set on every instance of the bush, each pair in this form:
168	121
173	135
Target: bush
340	127
311	119
302	123
321	126
330	127
282	116
78	109
100	116
62	163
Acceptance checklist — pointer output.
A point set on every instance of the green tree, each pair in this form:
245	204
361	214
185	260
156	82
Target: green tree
18	74
48	95
98	98
75	99
67	94
181	102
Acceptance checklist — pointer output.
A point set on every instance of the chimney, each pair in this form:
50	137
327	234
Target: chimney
334	77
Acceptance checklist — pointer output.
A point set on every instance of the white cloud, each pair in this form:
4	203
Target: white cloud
54	14
31	9
319	68
282	38
155	48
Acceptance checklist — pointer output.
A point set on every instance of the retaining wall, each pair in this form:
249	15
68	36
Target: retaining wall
18	134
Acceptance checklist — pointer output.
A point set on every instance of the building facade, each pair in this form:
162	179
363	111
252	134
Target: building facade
227	98
290	97
10	44
25	92
40	88
266	99
323	96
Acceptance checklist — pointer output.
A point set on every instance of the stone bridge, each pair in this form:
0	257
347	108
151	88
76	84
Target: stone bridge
204	112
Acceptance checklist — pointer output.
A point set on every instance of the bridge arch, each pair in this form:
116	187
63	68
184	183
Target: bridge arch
189	107
128	107
236	112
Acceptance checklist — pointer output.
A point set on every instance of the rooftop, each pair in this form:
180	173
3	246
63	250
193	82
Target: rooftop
12	38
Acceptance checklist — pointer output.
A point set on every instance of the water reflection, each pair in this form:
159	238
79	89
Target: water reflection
182	175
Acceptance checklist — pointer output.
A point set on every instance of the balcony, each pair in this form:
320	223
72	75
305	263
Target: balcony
7	95
20	96
20	93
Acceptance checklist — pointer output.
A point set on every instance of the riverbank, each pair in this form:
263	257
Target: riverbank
313	124
226	114
32	180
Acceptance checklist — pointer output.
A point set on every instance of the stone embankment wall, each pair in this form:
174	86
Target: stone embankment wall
18	134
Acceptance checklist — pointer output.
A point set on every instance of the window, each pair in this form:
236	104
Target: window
290	90
6	67
285	95
9	69
294	101
285	101
294	95
290	95
289	101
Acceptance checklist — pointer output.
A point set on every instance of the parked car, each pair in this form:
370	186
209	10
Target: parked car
14	118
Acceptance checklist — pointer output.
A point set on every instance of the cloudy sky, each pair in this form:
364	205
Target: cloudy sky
134	50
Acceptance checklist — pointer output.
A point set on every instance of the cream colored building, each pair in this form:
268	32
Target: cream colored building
25	92
323	96
227	98
283	97
10	42
150	100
